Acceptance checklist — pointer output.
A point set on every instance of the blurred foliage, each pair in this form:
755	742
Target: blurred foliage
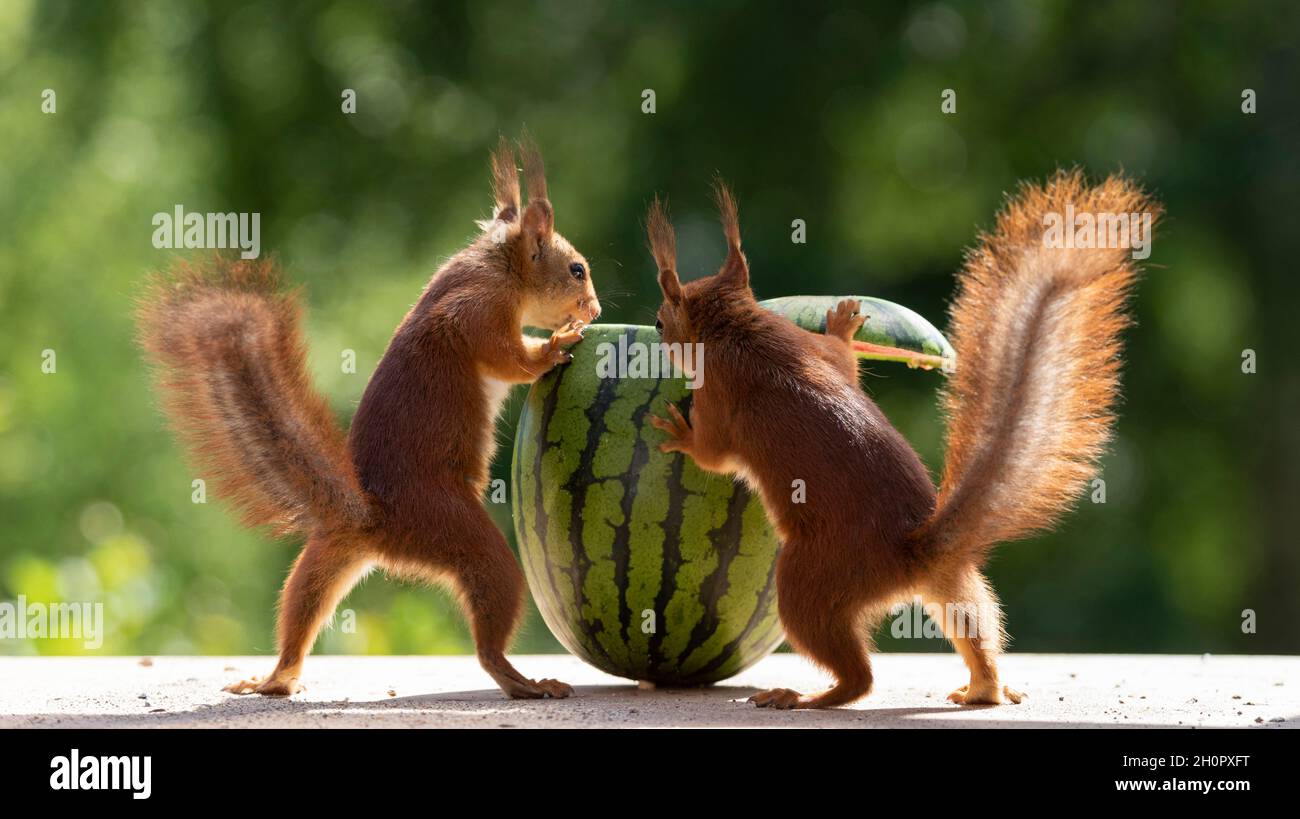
830	115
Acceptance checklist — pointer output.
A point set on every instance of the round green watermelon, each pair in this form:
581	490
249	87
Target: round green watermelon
640	563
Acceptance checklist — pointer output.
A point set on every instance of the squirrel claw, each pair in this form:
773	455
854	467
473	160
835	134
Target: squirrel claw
845	319
566	336
570	333
536	689
678	429
780	698
272	687
986	696
554	688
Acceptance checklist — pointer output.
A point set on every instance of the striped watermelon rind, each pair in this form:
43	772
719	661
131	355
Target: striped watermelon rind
610	528
640	563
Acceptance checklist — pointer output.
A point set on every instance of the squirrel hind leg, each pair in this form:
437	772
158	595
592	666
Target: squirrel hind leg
837	646
493	595
478	565
326	569
830	636
972	622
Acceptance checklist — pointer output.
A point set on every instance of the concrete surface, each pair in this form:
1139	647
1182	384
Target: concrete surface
429	692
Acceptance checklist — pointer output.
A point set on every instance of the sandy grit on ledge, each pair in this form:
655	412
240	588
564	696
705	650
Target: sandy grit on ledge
1128	691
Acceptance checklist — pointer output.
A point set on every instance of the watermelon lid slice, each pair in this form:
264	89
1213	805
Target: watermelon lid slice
891	332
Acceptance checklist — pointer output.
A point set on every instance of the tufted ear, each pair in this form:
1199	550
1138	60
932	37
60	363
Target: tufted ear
539	217
671	286
663	246
538	222
534	168
505	182
736	267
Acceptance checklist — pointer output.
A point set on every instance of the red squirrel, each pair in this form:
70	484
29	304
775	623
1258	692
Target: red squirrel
1037	335
404	490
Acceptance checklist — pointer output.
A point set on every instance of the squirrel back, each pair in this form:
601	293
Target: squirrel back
797	418
782	407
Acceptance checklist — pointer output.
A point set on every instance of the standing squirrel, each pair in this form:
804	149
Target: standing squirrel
1037	335
404	490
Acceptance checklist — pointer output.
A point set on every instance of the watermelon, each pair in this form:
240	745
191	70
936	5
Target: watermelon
640	563
891	333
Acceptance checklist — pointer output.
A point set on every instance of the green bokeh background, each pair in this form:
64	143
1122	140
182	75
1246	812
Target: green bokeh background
816	113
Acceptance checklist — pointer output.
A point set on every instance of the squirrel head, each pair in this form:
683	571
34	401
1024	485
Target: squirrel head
689	309
555	279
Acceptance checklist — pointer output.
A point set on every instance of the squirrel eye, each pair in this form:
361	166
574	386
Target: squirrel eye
577	270
659	326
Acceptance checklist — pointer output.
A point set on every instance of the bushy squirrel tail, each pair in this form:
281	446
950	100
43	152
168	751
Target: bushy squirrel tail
1036	325
226	345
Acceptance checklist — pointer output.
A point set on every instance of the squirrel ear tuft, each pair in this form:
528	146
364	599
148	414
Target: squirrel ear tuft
663	246
534	168
538	220
505	182
736	267
659	232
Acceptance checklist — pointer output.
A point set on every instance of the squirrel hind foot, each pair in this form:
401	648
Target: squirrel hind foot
535	689
987	695
782	699
273	687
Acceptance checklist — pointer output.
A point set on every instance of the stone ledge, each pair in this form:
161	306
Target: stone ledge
1065	690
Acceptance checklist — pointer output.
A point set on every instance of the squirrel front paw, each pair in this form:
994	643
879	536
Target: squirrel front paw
566	336
680	434
845	320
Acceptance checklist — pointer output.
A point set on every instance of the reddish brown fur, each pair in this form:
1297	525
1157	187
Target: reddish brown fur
1033	327
404	490
505	182
1037	337
234	381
